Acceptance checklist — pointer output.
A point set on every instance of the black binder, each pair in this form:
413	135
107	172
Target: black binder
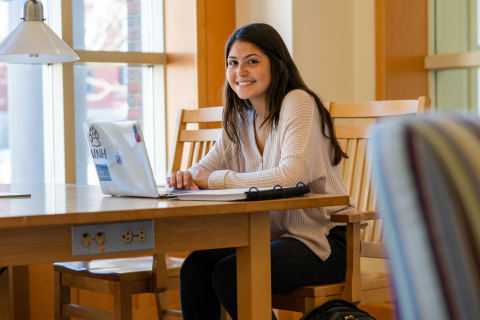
251	194
277	192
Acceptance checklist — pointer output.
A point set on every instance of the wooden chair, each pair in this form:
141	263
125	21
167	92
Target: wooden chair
124	277
359	287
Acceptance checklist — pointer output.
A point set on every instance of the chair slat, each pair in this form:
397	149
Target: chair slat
361	174
374	198
381	236
373	231
368	178
196	157
204	148
190	154
373	109
351	167
210	145
352	132
200	135
344	161
203	115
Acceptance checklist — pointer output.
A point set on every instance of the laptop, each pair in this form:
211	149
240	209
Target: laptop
121	160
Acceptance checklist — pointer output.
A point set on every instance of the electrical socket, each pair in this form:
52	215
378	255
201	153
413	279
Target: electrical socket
86	240
141	235
100	239
92	239
127	236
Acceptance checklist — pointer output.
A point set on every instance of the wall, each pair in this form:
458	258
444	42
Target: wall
277	13
332	42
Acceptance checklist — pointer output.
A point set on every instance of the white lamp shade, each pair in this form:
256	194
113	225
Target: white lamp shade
35	42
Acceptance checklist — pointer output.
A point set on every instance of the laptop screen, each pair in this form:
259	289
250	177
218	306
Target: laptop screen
120	158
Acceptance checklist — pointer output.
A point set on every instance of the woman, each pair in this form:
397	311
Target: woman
276	131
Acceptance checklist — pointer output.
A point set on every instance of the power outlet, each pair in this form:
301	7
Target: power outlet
112	237
86	239
100	239
127	236
141	235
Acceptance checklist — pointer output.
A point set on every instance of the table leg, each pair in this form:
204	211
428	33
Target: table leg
15	294
254	272
4	289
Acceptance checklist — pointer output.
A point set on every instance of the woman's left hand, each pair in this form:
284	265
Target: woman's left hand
201	178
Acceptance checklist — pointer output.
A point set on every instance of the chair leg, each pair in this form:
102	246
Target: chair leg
62	295
164	308
122	299
4	294
163	302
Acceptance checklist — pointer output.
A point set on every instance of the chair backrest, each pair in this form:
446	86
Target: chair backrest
191	145
356	170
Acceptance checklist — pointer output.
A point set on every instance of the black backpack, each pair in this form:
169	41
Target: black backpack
337	310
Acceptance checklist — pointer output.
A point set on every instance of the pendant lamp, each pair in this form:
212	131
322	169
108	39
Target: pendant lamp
32	41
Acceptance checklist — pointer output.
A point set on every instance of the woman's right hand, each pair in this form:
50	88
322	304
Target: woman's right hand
181	180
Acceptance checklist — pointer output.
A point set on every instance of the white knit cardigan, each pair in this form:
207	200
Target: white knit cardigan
296	150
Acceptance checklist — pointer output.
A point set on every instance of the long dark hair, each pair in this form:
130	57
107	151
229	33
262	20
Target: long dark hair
285	78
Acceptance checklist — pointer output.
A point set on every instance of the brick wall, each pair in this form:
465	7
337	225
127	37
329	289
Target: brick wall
135	99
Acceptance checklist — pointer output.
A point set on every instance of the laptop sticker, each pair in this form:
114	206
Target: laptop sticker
137	135
97	151
103	173
94	136
119	160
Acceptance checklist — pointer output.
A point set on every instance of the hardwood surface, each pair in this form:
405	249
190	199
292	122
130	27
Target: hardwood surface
57	205
401	47
38	230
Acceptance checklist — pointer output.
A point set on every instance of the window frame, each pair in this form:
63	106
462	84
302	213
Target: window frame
63	100
447	61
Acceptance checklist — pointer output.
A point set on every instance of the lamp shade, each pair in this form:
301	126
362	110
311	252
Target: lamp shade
35	42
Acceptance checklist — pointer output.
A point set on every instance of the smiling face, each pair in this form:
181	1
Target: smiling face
248	72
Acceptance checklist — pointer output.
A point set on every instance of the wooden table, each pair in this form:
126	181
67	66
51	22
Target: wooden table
38	230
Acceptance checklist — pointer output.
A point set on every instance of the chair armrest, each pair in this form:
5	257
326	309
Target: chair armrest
355	216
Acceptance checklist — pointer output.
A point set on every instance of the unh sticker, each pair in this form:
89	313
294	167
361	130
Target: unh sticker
97	151
94	137
137	135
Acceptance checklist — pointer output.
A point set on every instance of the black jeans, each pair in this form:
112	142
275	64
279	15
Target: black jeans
209	277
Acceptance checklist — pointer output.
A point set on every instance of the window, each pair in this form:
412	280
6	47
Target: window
22	125
120	76
454	59
108	93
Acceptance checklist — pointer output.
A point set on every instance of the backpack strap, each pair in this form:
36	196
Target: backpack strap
327	305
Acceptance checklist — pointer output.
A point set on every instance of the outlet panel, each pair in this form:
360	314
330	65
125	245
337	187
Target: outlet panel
110	237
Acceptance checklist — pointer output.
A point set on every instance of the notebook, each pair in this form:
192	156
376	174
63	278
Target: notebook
121	160
249	194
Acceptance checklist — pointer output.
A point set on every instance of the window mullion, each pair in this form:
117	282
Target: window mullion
63	100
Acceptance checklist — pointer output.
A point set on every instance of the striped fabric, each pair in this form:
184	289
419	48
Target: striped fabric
428	176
